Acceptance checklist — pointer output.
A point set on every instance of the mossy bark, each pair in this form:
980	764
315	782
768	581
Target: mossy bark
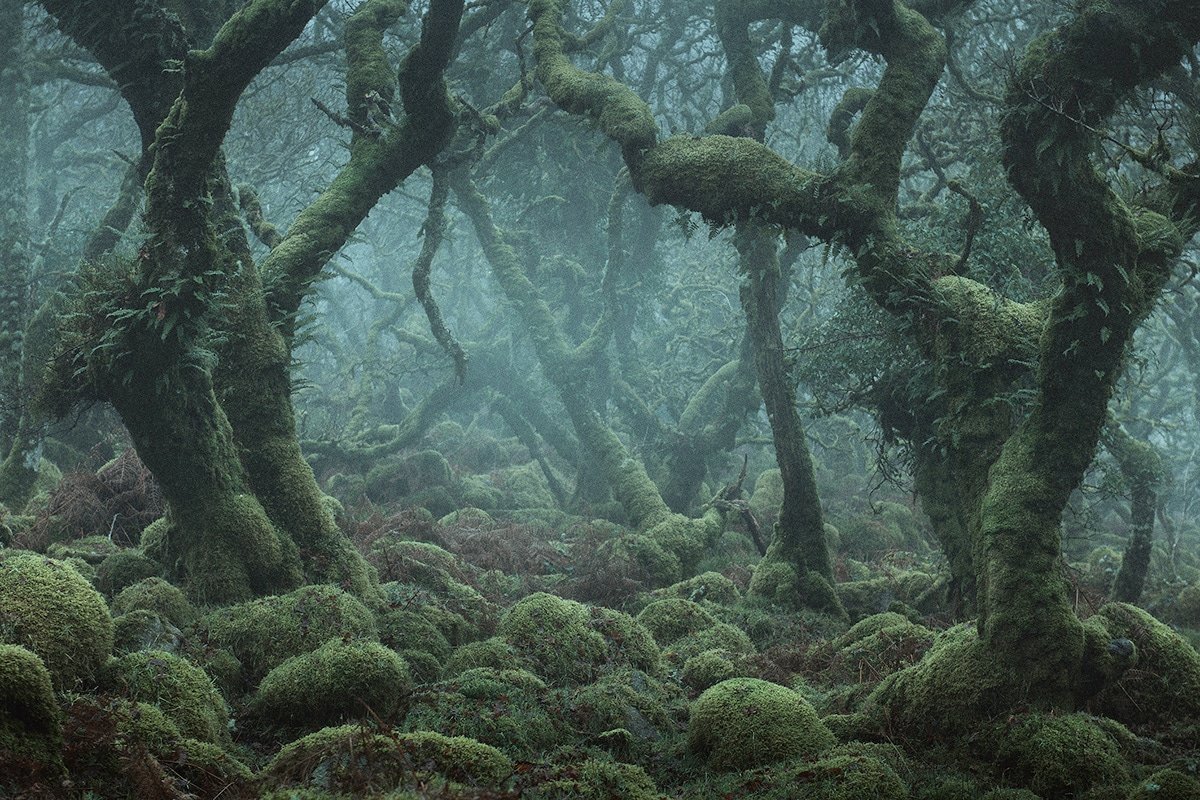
1142	469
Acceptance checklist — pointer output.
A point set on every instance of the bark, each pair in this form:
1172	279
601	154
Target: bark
1142	470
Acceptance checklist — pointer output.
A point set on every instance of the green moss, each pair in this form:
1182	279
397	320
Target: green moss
509	709
1187	606
630	700
523	486
144	630
711	586
848	772
457	757
179	688
155	594
1165	682
721	636
338	681
123	569
571	776
424	667
1060	756
47	607
495	653
402	629
469	517
746	722
626	640
30	727
262	634
672	619
556	637
92	549
1167	784
710	668
209	770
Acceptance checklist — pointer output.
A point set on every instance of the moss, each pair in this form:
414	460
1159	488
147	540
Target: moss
523	486
1060	756
669	620
1167	784
627	641
711	586
179	688
30	727
92	549
424	667
155	594
446	617
457	757
402	629
262	634
848	772
208	770
571	776
338	681
710	668
469	517
144	630
509	709
630	700
556	637
721	636
1187	606
47	607
746	722
1163	684
494	652
394	479
123	569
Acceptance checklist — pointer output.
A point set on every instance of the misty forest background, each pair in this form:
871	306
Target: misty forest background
627	399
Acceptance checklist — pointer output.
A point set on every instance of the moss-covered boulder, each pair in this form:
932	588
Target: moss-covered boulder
125	568
405	629
711	586
1060	755
494	653
339	681
568	643
745	722
180	689
354	760
48	608
673	618
587	776
1167	784
145	630
1164	683
263	633
510	709
628	700
155	594
854	771
30	727
710	667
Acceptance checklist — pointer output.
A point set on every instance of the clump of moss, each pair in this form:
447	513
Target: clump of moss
671	619
360	762
1060	756
125	568
92	549
555	638
711	667
509	709
494	653
587	776
263	633
746	722
872	649
207	770
179	688
523	486
1167	784
1187	606
457	622
145	630
30	728
1165	681
155	594
47	607
402	628
338	681
711	586
847	772
628	700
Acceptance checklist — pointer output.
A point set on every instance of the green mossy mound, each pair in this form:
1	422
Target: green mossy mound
1060	756
1164	683
180	689
123	569
1187	606
509	709
338	681
746	722
264	633
568	644
92	549
855	771
711	586
359	762
671	619
1167	784
48	607
871	650
887	527
30	727
145	630
582	775
711	667
494	653
459	624
628	700
404	629
155	594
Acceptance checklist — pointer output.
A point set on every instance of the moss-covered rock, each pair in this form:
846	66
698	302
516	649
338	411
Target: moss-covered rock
125	568
30	726
145	630
48	608
404	629
721	636
555	637
1187	606
494	653
629	700
1167	784
579	776
745	722
338	681
711	667
509	709
1060	755
92	549
849	772
523	486
155	594
673	618
711	586
180	689
263	633
1164	684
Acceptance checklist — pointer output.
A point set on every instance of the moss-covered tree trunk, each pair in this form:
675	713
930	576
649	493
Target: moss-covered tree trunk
1142	469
